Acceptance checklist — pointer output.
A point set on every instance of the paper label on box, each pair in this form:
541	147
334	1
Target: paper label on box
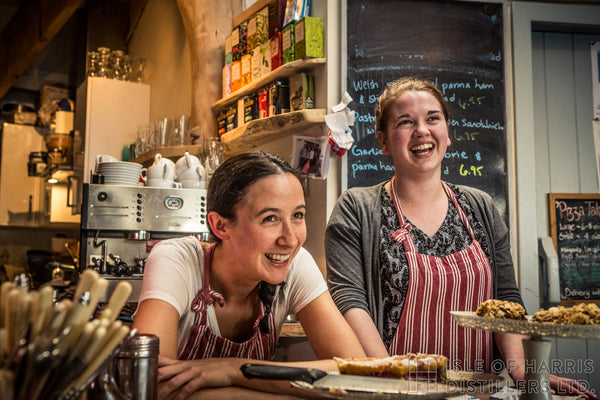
235	37
286	39
246	69
265	58
252	26
299	31
256	62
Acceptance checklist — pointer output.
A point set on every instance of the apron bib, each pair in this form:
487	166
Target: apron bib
438	285
204	343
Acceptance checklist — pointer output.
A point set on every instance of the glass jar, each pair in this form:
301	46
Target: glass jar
118	65
91	65
104	68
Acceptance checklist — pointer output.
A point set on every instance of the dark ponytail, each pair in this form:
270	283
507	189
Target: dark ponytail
266	294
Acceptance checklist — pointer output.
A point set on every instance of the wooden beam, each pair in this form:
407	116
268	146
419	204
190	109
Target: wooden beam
26	35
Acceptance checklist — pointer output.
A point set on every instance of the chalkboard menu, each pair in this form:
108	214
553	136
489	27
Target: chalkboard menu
459	46
575	229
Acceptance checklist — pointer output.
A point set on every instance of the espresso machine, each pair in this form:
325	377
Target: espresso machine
121	224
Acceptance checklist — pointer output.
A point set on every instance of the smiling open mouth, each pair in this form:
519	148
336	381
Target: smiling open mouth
278	258
422	149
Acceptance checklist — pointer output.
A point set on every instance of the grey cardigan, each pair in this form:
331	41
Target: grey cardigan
352	249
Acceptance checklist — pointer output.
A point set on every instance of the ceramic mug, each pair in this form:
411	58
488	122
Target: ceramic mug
161	183
186	162
163	171
195	173
192	184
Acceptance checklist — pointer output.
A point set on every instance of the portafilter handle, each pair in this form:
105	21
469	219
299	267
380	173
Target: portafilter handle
104	245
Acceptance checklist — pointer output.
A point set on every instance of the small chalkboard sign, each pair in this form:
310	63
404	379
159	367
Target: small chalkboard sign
457	44
575	230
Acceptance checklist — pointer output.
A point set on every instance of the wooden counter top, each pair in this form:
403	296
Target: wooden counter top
292	330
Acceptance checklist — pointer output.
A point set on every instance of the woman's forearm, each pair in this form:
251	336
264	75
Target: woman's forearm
511	349
366	331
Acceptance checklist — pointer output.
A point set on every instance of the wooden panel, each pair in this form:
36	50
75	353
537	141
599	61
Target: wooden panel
582	70
561	113
542	158
28	33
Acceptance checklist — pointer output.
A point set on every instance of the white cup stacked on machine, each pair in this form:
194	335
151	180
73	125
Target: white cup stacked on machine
161	173
115	172
190	172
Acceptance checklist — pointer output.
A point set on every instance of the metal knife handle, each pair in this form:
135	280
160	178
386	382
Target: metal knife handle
278	372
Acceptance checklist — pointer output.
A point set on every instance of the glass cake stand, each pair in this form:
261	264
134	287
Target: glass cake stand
536	348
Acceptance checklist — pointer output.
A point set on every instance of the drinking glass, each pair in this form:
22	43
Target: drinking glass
165	130
214	155
136	69
180	131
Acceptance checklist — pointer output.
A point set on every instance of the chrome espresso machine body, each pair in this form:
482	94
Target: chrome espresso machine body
121	224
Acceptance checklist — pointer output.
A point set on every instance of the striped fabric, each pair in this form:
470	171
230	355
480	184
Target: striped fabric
204	343
438	285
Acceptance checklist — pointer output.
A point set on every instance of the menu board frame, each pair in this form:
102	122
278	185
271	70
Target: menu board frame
576	209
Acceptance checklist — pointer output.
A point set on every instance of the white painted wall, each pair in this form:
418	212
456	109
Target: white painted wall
160	37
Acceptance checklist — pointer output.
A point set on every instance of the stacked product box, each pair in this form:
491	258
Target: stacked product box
287	44
278	33
279	97
302	92
275	48
231	118
251	107
222	123
263	102
308	38
258	29
246	70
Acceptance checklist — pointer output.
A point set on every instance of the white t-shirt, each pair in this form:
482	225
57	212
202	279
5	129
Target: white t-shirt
175	269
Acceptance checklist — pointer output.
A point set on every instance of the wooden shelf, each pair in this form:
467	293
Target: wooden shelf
249	136
255	133
172	152
284	71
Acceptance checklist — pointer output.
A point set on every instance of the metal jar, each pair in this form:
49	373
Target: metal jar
137	367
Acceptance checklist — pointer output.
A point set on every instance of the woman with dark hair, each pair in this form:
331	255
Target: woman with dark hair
226	303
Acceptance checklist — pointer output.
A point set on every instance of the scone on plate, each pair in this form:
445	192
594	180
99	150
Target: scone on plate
410	365
495	308
580	314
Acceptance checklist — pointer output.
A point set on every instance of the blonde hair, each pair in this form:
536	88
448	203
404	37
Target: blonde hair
398	88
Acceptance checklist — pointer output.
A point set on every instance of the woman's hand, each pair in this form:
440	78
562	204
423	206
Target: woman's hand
178	379
570	387
558	385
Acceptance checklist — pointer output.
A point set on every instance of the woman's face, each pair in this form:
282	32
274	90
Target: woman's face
269	227
416	133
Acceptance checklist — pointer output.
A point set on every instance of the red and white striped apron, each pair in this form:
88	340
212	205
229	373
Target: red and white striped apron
203	343
438	285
